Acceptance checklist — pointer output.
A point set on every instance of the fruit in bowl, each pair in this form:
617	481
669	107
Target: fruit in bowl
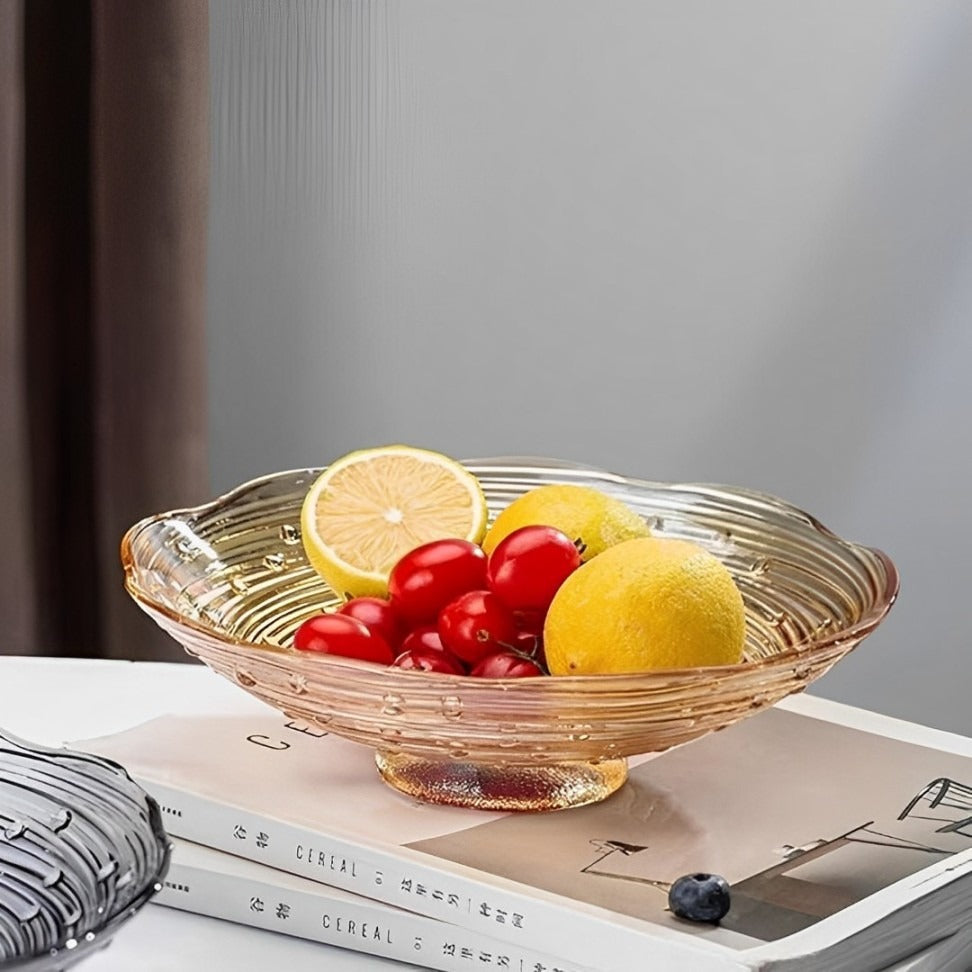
231	581
593	519
652	603
370	507
612	599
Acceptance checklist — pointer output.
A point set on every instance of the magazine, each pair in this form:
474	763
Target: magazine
208	882
846	837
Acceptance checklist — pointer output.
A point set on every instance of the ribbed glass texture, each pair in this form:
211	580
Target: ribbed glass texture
81	850
230	582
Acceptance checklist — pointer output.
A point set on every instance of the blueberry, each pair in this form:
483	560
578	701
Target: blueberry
699	897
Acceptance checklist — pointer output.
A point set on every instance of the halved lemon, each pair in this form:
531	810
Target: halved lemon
369	508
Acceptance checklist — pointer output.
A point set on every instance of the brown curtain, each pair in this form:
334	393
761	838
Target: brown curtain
103	179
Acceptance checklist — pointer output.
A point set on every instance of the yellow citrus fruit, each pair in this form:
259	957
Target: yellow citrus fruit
592	519
369	508
645	604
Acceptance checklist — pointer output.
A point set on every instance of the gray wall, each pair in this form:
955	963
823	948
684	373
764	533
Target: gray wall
682	240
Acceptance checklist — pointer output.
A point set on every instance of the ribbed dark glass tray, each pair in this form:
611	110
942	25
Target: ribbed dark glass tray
82	848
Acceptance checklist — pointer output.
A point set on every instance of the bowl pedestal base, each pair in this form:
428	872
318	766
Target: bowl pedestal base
484	786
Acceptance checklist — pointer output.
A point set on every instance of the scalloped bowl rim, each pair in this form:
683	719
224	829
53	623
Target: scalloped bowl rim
855	632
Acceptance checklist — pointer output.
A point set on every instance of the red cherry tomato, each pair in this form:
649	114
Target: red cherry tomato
506	664
476	624
429	660
540	657
426	638
336	634
529	621
378	616
529	644
529	636
427	578
528	566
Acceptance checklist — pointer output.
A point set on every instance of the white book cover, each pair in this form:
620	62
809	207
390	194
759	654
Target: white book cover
210	882
219	885
847	838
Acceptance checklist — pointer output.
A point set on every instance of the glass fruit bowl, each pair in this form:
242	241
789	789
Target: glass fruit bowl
229	580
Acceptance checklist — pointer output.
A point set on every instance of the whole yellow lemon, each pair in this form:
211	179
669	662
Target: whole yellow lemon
645	604
592	519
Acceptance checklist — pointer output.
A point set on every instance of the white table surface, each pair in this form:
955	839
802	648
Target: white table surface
54	701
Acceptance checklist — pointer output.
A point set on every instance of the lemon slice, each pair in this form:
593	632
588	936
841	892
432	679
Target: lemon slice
369	508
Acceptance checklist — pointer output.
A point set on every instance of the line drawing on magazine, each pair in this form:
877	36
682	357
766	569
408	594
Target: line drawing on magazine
774	899
950	795
801	823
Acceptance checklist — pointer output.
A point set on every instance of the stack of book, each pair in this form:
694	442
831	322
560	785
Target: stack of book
846	838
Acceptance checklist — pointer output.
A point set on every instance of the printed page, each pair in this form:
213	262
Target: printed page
281	768
802	816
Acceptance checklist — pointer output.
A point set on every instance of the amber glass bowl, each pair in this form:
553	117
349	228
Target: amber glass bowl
230	582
